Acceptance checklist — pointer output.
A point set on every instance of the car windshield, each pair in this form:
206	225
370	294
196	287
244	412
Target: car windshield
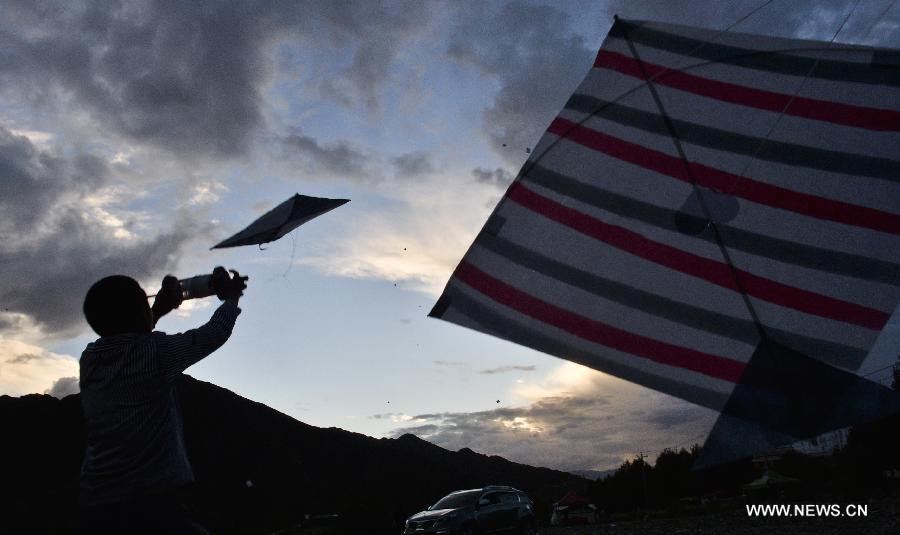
457	499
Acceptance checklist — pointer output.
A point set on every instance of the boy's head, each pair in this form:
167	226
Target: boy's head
117	305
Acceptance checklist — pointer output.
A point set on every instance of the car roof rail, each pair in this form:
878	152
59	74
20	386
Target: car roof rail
500	487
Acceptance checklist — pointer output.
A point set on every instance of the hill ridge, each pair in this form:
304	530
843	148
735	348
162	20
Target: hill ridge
257	469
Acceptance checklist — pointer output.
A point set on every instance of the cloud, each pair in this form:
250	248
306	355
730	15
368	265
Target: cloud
33	181
396	417
338	159
498	177
172	74
417	241
574	419
448	362
667	417
208	192
186	76
413	164
537	69
379	30
29	369
808	20
138	98
507	369
58	235
24	358
64	386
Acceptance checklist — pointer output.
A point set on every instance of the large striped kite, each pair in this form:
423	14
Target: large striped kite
712	215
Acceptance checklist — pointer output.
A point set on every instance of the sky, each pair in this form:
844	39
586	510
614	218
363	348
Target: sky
134	135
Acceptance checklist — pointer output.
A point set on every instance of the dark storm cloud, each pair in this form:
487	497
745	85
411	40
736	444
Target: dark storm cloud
48	244
379	29
187	76
414	164
537	60
31	182
53	273
175	74
64	386
507	369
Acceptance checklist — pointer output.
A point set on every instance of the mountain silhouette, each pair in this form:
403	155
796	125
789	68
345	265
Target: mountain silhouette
257	470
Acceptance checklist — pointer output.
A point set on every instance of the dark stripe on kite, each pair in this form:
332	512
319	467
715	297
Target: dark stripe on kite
675	311
598	332
752	190
707	269
761	60
878	119
723	140
508	329
826	260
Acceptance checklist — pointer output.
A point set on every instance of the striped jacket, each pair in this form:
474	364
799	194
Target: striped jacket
134	437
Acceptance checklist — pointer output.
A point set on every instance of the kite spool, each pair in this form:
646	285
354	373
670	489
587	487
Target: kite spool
197	287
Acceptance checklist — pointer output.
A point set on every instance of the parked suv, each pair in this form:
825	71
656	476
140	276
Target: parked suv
493	509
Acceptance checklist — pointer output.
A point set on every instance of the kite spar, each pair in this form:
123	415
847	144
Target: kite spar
712	215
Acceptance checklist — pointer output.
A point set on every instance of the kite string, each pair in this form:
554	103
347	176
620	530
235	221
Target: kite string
873	372
598	109
676	140
648	83
293	252
878	19
740	20
847	18
711	224
290	262
698	192
762	142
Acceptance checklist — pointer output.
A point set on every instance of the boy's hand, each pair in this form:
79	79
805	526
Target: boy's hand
227	287
168	298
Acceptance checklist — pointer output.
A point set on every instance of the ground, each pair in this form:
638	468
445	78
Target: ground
883	519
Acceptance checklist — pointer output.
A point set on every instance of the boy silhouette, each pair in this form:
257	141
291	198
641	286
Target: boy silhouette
135	458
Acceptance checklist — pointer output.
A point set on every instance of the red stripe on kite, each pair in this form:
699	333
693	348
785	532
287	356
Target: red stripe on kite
712	271
752	190
595	331
884	120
